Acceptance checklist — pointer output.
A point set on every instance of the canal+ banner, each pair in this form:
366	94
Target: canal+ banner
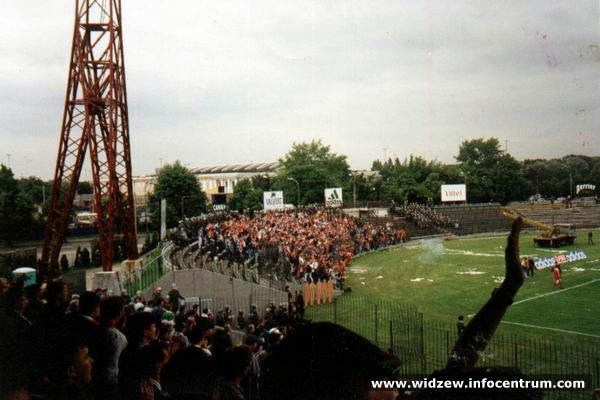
562	258
333	197
273	200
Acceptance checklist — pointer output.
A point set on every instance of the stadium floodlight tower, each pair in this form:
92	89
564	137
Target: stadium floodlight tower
95	117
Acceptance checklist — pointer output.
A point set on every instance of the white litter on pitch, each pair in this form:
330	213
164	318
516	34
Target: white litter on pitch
429	280
470	273
577	269
362	283
379	277
471	253
417	279
358	270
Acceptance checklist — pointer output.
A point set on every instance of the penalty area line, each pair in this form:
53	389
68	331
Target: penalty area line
555	292
550	329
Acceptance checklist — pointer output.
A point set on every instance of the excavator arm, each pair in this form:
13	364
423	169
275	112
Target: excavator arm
514	214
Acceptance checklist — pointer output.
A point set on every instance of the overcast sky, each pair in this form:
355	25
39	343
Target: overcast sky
222	82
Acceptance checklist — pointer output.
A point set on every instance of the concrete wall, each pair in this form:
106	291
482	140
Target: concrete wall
221	289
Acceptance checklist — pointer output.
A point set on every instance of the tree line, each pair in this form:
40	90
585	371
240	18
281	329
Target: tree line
490	173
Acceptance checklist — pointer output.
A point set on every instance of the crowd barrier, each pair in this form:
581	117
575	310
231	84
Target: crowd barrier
424	345
318	293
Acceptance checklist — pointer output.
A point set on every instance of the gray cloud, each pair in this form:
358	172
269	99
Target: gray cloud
231	81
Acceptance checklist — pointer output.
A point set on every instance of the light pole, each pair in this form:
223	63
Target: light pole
571	184
297	189
354	189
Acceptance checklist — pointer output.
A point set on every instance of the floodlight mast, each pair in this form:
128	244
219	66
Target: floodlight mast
95	118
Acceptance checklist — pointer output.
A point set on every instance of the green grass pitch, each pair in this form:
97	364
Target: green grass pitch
447	278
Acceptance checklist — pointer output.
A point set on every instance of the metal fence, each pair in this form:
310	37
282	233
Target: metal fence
150	270
424	345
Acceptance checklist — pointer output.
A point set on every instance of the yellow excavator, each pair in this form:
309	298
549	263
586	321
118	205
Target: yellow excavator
550	235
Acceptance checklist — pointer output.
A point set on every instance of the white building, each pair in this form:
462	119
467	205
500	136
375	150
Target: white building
216	181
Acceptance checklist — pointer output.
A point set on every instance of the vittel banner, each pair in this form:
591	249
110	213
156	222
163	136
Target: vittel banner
454	193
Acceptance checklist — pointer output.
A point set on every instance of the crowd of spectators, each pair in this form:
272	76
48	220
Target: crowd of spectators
57	346
307	245
98	346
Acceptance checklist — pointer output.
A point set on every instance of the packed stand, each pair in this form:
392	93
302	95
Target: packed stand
309	245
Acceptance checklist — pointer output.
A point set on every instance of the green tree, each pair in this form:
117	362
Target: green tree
85	187
315	167
414	179
35	188
489	173
246	196
16	208
179	186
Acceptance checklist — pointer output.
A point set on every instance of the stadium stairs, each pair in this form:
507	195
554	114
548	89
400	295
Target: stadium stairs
581	217
475	219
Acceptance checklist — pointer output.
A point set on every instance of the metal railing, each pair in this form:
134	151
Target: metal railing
152	266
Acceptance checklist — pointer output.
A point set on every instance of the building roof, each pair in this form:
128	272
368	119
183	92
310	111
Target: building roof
256	167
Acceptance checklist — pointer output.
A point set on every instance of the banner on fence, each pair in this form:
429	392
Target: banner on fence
454	193
273	200
563	258
333	197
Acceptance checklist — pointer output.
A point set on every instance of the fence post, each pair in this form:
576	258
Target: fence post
597	370
391	335
422	344
335	311
376	323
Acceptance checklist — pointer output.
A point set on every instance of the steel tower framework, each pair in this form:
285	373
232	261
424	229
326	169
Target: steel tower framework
95	117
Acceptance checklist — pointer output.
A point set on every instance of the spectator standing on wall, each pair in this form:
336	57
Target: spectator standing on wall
175	297
590	237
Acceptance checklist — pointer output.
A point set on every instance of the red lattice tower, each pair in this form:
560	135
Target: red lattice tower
95	118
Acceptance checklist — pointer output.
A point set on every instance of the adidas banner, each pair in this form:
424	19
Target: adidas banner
333	197
562	258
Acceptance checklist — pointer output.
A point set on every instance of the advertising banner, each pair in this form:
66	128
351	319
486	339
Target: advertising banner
454	193
333	197
273	200
563	258
584	186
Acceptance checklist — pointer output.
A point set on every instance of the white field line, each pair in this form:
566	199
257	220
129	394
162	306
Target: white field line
555	292
550	329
